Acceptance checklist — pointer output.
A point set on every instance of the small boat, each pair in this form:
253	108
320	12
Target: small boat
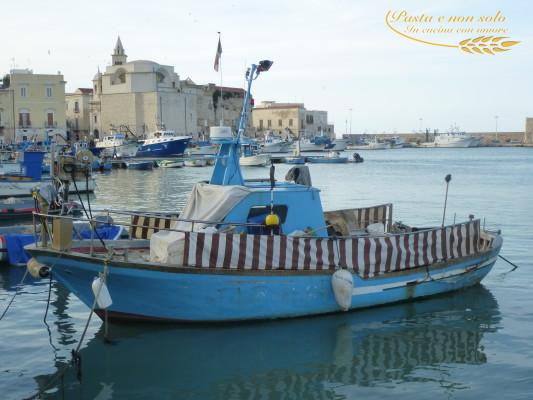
195	162
251	155
162	144
263	249
340	144
140	165
454	139
396	142
19	177
202	148
296	157
333	157
275	144
377	145
316	143
171	163
116	145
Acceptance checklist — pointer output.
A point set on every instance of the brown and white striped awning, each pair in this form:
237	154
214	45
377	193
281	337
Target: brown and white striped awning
367	256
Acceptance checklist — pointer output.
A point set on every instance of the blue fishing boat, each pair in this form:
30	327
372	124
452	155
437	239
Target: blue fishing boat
140	165
262	249
163	144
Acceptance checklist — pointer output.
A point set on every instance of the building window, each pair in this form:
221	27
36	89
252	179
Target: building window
269	123
48	92
24	119
309	119
290	122
280	122
260	124
95	119
302	123
76	107
23	91
49	119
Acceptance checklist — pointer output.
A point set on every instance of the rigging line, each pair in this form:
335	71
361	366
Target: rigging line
17	291
76	358
506	260
87	214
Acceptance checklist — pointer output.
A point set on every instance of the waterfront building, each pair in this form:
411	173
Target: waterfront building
290	119
528	133
139	97
78	113
32	106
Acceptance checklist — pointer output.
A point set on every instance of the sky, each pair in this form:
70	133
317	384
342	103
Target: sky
335	55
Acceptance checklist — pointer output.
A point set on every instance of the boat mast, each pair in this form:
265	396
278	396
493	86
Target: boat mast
227	170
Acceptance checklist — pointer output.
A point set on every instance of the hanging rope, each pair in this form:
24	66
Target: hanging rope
75	353
506	260
17	291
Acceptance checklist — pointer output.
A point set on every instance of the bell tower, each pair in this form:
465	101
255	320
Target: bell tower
119	57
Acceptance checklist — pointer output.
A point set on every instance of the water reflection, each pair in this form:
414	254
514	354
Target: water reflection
303	358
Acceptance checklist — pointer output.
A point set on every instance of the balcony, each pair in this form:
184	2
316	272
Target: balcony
49	125
24	125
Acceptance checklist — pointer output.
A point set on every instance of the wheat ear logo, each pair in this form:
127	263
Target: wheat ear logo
487	45
407	25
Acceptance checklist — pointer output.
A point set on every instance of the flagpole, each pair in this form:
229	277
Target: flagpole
221	97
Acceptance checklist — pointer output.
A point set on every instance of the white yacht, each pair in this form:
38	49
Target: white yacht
116	146
454	138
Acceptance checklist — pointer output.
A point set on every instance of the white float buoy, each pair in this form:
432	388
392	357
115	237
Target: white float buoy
103	298
342	283
36	269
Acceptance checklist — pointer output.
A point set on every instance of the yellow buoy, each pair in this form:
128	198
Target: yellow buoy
272	220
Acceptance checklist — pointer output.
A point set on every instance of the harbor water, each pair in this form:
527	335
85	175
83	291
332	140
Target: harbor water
471	344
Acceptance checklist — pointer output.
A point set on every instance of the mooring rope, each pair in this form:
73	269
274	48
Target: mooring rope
17	291
506	260
76	356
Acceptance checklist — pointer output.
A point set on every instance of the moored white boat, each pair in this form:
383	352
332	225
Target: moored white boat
116	145
453	138
195	162
377	145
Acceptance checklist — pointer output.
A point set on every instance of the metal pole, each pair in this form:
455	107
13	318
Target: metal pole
350	121
448	178
221	97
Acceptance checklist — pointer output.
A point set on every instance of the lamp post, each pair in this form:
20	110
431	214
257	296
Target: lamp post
346	126
496	122
350	121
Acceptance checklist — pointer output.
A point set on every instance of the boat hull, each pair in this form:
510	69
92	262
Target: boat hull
258	160
169	147
121	151
24	188
327	160
153	292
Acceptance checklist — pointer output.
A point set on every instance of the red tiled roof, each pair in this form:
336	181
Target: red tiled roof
86	90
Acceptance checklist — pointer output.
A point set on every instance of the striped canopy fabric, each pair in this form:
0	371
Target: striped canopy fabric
346	221
365	255
143	226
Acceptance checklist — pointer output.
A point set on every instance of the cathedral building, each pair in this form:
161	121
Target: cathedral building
139	97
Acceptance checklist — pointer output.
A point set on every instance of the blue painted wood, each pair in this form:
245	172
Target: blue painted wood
217	296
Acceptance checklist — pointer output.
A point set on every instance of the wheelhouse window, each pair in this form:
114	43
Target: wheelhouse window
257	215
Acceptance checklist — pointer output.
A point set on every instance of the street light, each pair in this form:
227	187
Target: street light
496	119
350	121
